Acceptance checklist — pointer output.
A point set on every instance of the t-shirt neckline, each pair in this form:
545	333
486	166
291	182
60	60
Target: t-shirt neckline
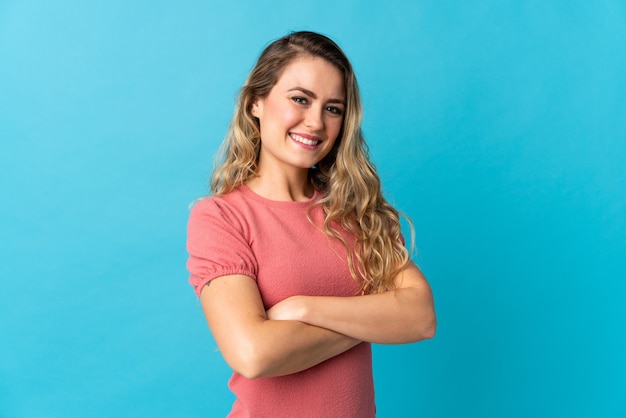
249	193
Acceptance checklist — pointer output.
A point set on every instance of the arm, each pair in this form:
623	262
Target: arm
403	315
255	346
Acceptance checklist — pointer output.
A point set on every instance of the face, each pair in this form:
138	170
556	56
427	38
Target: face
301	117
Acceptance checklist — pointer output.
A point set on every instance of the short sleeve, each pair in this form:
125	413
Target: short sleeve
217	244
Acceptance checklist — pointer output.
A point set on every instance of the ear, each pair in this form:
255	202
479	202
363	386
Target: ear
257	108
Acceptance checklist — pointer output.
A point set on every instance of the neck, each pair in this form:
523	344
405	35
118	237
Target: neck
276	185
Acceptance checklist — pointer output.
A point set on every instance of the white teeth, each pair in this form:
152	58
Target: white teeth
302	140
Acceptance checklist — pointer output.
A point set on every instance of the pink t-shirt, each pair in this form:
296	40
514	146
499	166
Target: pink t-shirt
275	244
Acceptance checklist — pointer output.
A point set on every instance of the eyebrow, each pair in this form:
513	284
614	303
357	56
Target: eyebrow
314	96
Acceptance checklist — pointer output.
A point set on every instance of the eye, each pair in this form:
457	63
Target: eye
300	100
335	110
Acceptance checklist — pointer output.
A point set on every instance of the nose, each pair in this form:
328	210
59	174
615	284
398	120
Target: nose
313	119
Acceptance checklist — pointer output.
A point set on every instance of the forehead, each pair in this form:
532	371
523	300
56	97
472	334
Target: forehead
315	74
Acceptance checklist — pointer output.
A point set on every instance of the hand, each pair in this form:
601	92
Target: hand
290	309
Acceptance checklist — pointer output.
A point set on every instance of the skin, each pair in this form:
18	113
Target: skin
401	316
306	102
302	331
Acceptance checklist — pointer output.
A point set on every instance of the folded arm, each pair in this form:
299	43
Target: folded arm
255	346
403	315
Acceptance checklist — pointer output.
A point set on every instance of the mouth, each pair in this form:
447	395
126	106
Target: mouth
309	140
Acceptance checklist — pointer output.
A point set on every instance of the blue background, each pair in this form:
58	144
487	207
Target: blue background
498	127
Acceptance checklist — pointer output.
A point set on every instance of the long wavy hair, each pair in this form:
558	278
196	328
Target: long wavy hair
352	197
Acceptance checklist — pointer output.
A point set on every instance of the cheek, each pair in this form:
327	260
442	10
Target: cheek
334	127
281	114
289	116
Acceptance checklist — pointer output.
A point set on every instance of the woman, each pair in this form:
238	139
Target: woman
297	258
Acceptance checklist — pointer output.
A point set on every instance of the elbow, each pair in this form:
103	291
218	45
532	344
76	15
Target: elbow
424	320
250	371
246	368
425	328
429	330
429	320
250	363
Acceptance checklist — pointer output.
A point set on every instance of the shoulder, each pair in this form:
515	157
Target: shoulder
235	211
229	203
218	219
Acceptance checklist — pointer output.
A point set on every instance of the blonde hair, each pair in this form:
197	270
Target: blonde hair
353	198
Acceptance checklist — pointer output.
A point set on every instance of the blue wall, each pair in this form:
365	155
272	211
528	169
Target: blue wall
498	127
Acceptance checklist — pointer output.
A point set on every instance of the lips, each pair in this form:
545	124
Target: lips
305	139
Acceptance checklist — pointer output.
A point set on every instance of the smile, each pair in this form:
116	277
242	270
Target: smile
303	140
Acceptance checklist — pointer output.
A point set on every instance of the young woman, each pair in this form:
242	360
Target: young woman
297	258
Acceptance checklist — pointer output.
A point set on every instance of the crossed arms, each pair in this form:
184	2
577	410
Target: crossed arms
302	331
